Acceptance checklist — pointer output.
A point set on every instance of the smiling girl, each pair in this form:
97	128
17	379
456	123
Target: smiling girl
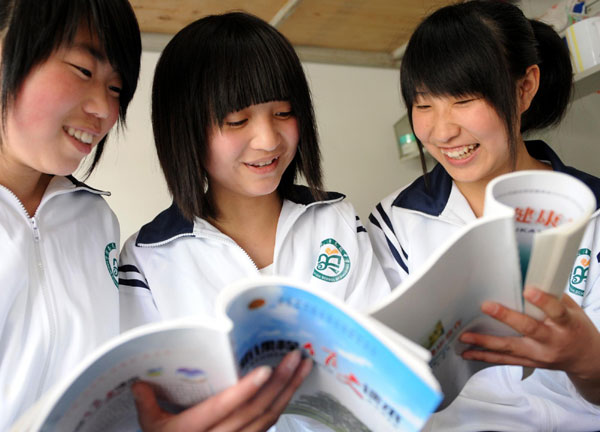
234	126
68	70
475	77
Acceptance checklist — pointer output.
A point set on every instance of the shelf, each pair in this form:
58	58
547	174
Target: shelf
586	82
410	156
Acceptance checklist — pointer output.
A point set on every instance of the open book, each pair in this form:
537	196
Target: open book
365	377
532	226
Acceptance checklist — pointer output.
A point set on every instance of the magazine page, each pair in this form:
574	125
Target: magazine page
361	379
185	360
551	212
444	296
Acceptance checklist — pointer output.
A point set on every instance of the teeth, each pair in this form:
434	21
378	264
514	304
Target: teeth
82	136
262	164
460	153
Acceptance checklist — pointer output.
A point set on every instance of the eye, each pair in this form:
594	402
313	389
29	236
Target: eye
421	107
236	123
116	90
85	72
284	114
464	101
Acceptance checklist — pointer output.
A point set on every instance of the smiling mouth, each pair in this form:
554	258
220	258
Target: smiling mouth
79	135
263	164
461	152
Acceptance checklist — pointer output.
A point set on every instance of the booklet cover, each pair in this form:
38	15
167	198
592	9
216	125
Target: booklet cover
364	378
531	229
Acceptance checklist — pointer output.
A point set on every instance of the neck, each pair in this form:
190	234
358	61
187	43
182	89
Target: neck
251	222
27	184
474	192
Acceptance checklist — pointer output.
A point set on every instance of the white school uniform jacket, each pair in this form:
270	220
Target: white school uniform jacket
173	267
58	278
407	226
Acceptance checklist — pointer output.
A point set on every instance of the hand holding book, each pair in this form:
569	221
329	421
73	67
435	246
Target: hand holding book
253	404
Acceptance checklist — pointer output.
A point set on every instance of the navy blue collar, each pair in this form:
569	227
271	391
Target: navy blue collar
171	223
432	200
79	184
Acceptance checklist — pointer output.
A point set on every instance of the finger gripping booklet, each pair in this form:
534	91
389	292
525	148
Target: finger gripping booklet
364	377
531	229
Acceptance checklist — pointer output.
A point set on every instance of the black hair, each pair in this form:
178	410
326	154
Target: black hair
483	48
32	30
215	66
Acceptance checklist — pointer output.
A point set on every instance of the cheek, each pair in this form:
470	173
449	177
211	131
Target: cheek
35	105
420	128
291	133
220	153
113	116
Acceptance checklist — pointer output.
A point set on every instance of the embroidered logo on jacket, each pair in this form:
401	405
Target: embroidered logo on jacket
580	271
112	263
333	263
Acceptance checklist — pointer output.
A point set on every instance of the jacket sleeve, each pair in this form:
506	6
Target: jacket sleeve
386	245
587	293
367	284
584	282
136	303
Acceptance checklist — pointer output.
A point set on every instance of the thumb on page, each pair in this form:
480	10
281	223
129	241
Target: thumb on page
149	412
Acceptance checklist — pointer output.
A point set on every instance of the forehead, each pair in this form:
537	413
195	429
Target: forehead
87	41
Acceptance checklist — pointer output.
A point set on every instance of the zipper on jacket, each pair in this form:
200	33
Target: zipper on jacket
41	273
226	239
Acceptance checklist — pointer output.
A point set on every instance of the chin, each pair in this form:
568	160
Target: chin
263	192
64	170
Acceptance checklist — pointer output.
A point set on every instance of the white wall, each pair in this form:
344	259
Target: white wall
356	108
576	138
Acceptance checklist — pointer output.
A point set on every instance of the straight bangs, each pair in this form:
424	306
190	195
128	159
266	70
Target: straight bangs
256	64
115	25
215	66
436	61
35	29
249	76
453	53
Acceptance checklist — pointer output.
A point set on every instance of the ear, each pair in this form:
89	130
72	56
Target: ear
527	87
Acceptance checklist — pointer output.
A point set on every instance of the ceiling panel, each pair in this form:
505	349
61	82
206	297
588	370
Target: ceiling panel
364	25
160	16
361	32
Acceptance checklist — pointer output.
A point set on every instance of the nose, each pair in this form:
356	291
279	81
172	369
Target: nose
266	135
98	102
444	128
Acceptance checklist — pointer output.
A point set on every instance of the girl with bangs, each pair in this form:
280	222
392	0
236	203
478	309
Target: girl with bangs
475	77
234	127
68	70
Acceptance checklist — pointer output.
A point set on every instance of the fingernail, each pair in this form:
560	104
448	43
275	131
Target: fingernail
466	338
532	294
262	375
306	367
293	360
490	308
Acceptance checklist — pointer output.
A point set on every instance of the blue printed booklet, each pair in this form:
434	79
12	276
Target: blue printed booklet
366	378
531	230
